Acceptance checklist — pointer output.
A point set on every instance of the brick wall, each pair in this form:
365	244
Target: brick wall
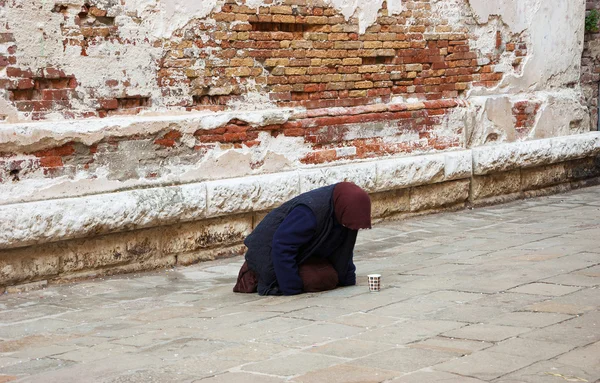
590	68
391	90
300	53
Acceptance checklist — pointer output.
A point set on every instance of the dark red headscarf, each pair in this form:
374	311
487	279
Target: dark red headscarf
352	206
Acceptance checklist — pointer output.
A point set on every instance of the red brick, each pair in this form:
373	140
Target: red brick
56	94
232	137
51	162
109	104
440	104
165	142
6	37
53	73
293	132
59	151
17	72
25	83
320	157
210	138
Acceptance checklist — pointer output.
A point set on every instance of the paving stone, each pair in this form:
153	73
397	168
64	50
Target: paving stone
365	320
369	301
30	367
346	374
549	372
504	274
259	330
38	327
486	332
404	360
44	351
484	365
434	376
198	366
29	313
558	307
586	358
6	361
251	352
574	279
529	319
317	313
295	364
101	351
579	331
418	308
587	297
530	348
469	313
175	350
350	348
491	284
312	335
545	289
70	372
457	297
452	345
407	332
420	283
238	377
148	376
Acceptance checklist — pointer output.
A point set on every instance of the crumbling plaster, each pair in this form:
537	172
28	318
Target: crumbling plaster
40	43
550	73
555	43
274	153
163	17
484	119
556	37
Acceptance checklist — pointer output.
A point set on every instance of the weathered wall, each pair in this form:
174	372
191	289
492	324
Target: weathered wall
131	114
482	69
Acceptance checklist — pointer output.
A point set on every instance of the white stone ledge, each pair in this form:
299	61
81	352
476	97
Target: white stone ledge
30	223
499	158
54	220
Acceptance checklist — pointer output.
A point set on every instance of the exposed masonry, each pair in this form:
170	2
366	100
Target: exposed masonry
300	53
367	131
294	54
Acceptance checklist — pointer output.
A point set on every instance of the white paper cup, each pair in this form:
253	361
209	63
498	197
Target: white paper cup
374	282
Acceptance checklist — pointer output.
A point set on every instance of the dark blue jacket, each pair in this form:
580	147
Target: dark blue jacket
300	228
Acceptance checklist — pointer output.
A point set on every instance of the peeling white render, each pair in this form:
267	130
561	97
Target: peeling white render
40	42
489	119
555	38
365	11
163	17
54	220
549	73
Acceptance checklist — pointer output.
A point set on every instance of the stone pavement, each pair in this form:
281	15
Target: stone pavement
504	294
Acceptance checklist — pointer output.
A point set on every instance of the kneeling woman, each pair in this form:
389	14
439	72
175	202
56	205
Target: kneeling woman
306	244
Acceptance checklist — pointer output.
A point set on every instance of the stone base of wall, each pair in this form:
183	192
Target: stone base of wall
192	242
210	221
